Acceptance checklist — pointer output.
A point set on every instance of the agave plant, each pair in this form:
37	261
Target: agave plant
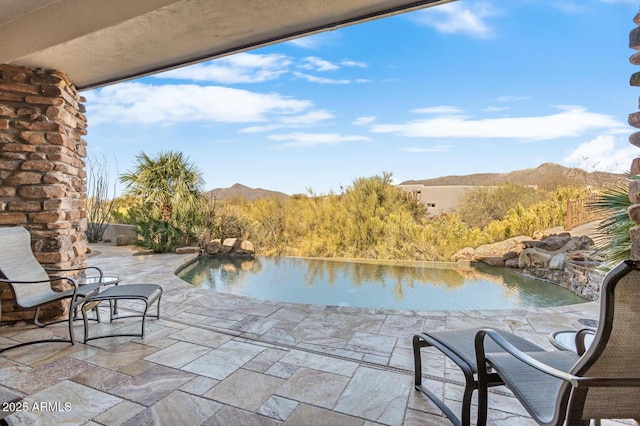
613	242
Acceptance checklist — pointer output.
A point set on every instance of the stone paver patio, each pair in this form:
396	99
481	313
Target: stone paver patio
218	359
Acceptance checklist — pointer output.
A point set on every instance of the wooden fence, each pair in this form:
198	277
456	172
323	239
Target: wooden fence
578	212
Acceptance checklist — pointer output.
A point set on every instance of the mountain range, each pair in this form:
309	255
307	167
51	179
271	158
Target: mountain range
250	194
546	176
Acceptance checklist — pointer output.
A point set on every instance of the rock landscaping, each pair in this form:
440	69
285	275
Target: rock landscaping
558	258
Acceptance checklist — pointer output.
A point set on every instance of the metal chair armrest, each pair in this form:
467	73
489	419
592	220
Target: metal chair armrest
517	353
74	282
581	335
83	268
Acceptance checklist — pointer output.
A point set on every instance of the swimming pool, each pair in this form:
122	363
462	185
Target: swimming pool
390	285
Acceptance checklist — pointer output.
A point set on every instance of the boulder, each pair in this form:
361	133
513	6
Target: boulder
228	244
245	247
213	247
539	235
464	255
563	242
122	240
230	247
512	263
512	254
557	261
499	248
497	253
533	258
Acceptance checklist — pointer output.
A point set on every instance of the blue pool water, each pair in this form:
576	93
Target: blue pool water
391	285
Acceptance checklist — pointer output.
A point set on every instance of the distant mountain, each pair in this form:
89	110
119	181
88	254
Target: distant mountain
249	194
546	176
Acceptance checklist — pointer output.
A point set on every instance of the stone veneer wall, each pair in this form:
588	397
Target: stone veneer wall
583	280
42	176
634	139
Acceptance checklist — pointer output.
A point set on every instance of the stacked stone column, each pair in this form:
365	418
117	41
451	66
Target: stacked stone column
634	139
42	176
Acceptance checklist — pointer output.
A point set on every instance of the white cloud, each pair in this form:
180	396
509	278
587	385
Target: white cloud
299	140
602	154
308	119
495	109
436	148
459	17
293	122
146	103
321	80
363	121
512	98
317	64
570	121
442	109
347	63
239	68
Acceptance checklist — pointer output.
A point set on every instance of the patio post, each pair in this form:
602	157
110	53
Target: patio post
42	176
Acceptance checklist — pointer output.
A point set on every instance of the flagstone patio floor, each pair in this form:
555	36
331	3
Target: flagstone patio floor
218	359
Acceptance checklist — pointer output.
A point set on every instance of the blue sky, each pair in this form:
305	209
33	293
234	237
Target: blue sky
467	87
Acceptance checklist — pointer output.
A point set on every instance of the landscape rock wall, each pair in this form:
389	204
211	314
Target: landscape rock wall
558	258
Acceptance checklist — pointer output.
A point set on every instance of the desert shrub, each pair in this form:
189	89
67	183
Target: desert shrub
154	233
548	213
482	205
222	220
100	202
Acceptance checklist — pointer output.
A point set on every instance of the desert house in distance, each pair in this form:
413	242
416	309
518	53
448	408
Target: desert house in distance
443	194
438	199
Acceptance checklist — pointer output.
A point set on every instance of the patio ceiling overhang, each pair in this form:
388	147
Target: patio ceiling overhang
97	43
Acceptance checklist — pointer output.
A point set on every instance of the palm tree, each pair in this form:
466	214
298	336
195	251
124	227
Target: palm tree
168	180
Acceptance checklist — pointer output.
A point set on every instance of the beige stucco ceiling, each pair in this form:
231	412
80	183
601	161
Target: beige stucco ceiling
99	42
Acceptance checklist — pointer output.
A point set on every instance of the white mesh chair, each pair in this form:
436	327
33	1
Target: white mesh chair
30	283
561	387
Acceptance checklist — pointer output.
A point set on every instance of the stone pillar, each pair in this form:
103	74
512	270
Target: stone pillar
634	139
42	176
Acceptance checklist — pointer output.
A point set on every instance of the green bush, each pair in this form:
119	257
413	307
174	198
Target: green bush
168	202
370	219
157	235
482	205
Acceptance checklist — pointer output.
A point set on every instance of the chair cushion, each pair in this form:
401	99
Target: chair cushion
536	391
462	343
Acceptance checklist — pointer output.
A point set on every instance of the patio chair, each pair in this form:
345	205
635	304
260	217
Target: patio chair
561	387
30	283
458	345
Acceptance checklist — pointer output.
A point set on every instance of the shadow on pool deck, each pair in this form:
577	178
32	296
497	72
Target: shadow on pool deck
228	360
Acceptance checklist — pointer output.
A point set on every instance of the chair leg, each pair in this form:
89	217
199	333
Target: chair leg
36	321
71	316
419	341
158	306
417	361
483	399
466	403
144	319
